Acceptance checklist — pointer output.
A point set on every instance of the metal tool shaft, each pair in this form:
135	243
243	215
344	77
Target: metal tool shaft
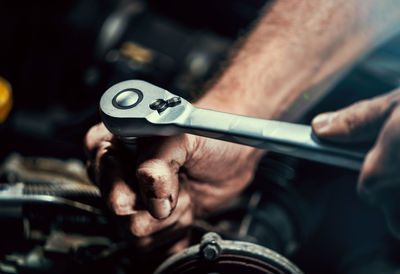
281	137
148	110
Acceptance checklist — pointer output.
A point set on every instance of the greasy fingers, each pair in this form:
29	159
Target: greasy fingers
157	174
120	197
359	122
113	183
142	224
106	170
125	180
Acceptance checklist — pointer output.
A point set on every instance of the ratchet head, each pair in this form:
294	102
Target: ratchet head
136	108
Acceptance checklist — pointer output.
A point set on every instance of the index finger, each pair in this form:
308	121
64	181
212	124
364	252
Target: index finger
158	173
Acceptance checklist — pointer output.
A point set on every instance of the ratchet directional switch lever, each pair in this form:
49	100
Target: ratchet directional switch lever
136	108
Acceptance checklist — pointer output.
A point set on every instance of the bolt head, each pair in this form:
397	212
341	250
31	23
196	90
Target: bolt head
211	252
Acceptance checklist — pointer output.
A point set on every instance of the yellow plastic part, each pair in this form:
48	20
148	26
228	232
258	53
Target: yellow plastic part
5	99
136	52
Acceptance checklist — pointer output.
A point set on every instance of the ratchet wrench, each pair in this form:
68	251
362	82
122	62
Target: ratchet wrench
136	108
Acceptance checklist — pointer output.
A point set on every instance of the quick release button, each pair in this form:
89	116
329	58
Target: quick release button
127	98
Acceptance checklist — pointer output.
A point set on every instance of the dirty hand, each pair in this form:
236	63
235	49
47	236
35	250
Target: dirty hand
169	180
376	119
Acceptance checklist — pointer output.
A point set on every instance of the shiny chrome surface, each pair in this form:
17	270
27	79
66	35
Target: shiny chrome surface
281	137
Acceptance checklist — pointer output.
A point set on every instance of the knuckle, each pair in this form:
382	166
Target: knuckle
153	171
92	137
95	138
121	202
354	116
351	123
145	178
107	156
118	209
88	139
394	97
157	184
139	227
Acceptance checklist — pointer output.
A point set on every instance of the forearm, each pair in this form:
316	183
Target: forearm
298	47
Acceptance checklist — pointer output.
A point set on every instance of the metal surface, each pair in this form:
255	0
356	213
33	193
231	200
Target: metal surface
127	98
215	255
14	194
286	138
210	246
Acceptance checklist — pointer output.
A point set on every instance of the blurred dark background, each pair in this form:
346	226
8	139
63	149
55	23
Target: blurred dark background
60	56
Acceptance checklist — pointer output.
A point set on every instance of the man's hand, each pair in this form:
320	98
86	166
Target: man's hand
169	180
285	54
378	120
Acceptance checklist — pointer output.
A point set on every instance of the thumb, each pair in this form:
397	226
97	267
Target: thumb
360	122
157	173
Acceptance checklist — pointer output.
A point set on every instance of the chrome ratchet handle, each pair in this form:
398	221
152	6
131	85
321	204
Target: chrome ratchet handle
136	108
281	137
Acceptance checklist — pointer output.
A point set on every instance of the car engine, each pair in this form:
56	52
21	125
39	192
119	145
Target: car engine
58	57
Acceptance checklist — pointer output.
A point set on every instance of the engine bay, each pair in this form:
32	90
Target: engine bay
60	56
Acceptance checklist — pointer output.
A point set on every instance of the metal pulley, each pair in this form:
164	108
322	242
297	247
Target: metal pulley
214	255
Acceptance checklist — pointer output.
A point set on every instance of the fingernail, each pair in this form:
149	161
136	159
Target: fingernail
322	122
160	208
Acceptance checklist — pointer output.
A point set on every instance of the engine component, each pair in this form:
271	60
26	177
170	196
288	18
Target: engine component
5	99
307	212
214	255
